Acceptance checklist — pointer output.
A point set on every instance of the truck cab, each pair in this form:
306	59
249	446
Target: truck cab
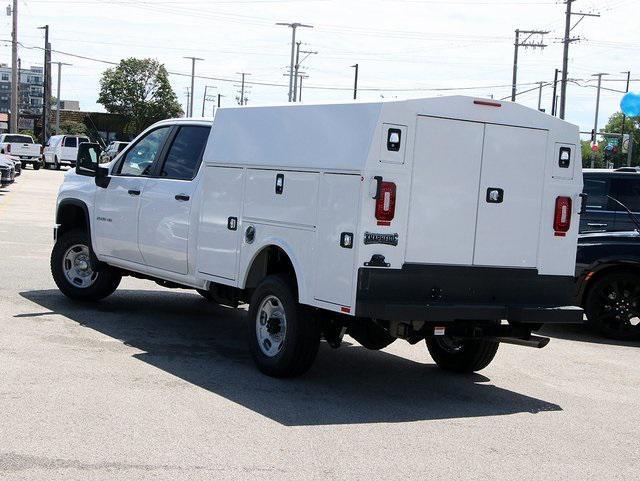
451	220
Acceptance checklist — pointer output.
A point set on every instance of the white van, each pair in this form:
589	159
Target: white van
431	219
62	149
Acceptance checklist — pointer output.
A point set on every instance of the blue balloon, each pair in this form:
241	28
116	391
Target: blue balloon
630	104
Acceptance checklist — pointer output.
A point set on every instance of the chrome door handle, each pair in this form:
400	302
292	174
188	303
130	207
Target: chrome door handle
182	197
596	225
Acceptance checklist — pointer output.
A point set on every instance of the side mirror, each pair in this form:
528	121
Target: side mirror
87	160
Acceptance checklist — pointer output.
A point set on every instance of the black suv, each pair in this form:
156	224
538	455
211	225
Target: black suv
603	214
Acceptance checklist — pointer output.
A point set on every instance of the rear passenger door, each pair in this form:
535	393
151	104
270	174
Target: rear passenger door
165	204
69	150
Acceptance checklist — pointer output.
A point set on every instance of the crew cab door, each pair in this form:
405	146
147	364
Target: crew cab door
165	204
117	205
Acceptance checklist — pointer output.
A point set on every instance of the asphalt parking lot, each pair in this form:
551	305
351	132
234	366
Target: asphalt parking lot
154	383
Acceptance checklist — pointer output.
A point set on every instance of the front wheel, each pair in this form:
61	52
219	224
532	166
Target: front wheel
283	336
462	356
613	305
72	270
36	165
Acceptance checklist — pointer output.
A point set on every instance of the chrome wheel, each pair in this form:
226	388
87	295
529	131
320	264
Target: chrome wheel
76	265
271	326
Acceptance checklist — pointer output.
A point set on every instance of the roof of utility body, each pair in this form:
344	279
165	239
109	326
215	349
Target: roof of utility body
339	136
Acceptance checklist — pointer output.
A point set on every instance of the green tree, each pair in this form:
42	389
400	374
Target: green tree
140	90
631	125
71	127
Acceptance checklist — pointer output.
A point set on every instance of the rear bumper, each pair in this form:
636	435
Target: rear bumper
459	293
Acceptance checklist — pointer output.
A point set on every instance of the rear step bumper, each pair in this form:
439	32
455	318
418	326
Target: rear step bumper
439	293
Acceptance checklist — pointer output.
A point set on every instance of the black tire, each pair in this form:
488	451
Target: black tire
461	356
23	165
104	281
612	305
299	347
370	335
36	166
56	164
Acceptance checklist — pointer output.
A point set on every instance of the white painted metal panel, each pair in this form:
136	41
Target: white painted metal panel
217	252
507	232
338	213
295	205
163	226
444	193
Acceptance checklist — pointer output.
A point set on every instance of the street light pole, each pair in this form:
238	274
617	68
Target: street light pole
15	77
293	27
193	75
355	82
46	83
595	127
60	64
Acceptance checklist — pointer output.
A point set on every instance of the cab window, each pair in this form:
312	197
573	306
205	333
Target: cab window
627	191
139	159
70	142
184	155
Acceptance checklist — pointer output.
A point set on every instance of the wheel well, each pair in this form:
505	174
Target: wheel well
613	269
71	216
271	260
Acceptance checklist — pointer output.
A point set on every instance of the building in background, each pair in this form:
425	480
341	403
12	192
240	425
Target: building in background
69	105
31	91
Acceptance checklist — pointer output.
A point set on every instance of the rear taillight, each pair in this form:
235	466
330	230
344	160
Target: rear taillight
8	148
386	203
562	216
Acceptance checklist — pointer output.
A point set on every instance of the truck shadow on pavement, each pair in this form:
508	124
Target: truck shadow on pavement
582	333
204	344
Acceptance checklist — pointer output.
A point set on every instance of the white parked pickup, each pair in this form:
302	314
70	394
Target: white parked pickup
22	148
452	220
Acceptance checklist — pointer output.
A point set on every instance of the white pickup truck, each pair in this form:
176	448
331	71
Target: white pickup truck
452	220
22	148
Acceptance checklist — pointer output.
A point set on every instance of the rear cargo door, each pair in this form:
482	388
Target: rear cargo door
510	196
444	194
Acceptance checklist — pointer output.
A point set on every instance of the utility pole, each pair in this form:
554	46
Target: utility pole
298	74
296	68
624	118
46	95
301	76
15	78
188	93
213	110
555	87
524	43
540	96
193	75
595	127
293	27
204	97
565	51
60	64
355	81
242	100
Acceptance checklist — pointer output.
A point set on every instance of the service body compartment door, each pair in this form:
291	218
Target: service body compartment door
218	238
444	194
336	236
510	197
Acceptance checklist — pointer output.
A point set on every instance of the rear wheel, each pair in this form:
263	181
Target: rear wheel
36	165
613	305
461	355
72	270
283	336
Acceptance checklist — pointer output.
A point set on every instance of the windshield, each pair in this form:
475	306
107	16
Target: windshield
18	139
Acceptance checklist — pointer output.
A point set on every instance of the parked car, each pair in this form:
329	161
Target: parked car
113	149
7	170
340	218
62	149
608	273
22	148
602	213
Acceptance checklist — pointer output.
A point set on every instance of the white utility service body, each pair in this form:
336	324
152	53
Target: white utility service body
410	214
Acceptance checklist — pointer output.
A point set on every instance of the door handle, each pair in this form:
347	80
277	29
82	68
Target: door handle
133	192
596	225
182	197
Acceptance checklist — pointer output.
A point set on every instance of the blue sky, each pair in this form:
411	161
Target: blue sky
399	45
